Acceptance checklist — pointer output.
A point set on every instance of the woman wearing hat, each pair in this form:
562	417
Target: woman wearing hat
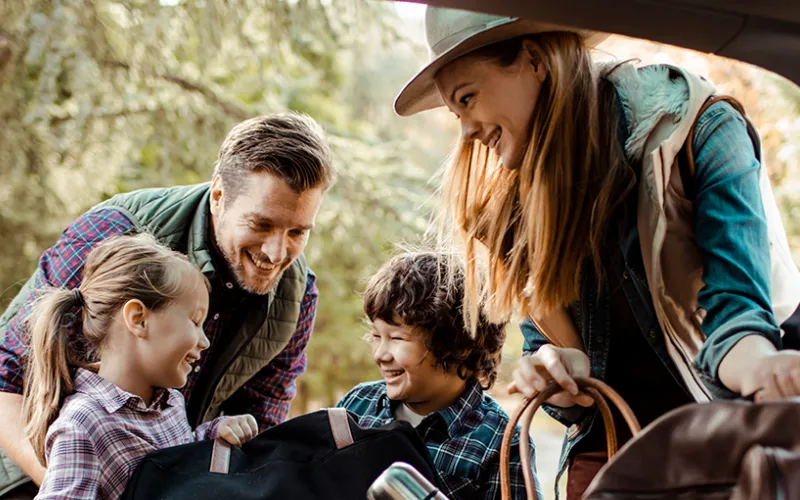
576	203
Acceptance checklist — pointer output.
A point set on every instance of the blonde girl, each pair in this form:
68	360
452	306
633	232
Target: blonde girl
141	308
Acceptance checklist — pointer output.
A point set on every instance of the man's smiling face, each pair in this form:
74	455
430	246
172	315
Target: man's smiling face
262	229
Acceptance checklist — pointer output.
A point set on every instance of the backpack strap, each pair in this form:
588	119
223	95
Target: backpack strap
220	457
340	427
687	168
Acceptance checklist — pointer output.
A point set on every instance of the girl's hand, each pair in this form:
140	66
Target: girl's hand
534	372
238	430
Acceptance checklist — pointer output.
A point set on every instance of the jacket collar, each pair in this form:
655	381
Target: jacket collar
647	96
199	248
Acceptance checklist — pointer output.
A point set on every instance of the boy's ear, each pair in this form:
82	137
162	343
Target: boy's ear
136	314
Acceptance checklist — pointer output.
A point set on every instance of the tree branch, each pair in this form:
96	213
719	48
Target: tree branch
229	108
58	120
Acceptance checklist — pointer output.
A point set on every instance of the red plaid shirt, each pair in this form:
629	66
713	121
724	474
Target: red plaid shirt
267	396
103	432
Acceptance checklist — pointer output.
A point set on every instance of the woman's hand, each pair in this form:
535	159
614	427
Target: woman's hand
553	363
238	430
754	367
774	377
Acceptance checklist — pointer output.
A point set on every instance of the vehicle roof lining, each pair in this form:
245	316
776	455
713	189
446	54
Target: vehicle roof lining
704	25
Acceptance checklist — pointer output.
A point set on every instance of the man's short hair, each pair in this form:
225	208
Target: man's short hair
291	146
415	290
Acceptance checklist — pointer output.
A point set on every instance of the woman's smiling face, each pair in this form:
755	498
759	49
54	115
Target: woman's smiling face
493	102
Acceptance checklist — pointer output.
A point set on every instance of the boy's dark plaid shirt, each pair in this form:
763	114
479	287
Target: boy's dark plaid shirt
463	440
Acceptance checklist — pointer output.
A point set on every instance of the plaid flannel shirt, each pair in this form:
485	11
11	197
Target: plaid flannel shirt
102	433
463	440
267	396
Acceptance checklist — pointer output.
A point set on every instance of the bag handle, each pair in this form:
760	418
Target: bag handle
597	389
220	457
687	176
340	428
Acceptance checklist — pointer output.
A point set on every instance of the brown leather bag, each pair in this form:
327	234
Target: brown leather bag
597	389
733	450
725	449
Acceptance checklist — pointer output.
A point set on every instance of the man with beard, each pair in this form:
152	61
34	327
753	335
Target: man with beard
246	231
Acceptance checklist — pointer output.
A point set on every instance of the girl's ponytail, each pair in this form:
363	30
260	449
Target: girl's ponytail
47	377
116	271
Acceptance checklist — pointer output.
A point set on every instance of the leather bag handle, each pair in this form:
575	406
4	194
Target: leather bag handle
597	389
340	429
690	138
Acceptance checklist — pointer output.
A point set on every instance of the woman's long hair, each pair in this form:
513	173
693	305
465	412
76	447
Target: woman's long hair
118	270
527	232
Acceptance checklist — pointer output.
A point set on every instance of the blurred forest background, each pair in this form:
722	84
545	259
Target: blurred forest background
101	97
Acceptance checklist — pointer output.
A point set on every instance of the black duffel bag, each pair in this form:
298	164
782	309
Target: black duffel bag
324	454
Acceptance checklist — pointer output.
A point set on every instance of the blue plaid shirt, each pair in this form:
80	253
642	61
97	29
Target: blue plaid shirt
463	440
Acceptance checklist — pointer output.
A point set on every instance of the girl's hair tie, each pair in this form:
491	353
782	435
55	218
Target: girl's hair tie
77	297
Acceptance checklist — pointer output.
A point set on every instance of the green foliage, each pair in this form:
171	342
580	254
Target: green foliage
101	97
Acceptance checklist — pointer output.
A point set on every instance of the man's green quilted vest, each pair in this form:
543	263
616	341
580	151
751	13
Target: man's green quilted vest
179	218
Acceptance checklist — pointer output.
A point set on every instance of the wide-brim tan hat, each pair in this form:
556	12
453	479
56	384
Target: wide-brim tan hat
452	33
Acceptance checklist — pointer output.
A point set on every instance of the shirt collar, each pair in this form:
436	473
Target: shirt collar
112	398
463	409
453	416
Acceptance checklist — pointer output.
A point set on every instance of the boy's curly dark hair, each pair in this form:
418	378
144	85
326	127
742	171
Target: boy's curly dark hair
415	289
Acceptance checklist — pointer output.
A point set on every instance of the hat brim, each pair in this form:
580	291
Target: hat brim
421	94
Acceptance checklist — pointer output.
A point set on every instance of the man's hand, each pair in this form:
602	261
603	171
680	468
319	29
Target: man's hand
238	430
553	363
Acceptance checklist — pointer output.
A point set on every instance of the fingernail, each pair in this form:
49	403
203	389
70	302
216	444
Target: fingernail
539	385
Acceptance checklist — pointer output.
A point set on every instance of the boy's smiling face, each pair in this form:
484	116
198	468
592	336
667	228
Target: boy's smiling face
409	369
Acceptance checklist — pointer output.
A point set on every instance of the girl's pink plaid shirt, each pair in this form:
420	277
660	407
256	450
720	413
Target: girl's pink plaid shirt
103	432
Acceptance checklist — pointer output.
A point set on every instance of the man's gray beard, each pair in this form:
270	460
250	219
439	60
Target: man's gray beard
238	275
238	272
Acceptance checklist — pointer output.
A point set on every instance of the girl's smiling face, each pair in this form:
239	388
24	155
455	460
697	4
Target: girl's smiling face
175	337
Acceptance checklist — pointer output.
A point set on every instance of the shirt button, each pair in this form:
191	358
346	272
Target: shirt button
216	316
625	275
229	285
197	369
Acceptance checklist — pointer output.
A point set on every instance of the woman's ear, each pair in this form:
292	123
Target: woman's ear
136	315
531	54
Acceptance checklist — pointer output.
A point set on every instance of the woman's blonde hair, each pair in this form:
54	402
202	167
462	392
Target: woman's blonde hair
527	232
118	270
